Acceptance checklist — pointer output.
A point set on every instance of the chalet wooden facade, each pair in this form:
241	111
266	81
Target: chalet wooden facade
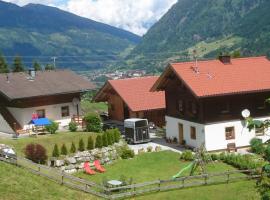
51	94
204	101
131	98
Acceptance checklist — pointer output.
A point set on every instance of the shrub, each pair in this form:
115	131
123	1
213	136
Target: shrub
267	153
187	155
73	148
81	145
90	143
127	153
36	152
104	140
52	128
109	138
99	143
93	123
257	146
72	126
55	152
149	149
64	150
117	135
214	157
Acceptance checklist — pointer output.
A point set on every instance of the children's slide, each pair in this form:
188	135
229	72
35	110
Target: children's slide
98	166
88	169
189	167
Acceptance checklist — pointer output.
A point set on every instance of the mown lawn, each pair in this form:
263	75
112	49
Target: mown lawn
89	107
48	141
19	184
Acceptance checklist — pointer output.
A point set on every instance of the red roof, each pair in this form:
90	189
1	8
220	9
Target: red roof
135	92
212	78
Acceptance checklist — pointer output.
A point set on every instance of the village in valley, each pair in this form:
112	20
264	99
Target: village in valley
114	115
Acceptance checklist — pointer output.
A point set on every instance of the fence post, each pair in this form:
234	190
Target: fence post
134	189
62	178
205	179
183	182
228	177
159	185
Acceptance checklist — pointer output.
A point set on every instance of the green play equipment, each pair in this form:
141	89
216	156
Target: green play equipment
201	158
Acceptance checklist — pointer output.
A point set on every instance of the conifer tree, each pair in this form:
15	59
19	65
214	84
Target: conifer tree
55	152
3	64
17	64
90	144
73	148
64	150
36	66
104	140
81	145
99	142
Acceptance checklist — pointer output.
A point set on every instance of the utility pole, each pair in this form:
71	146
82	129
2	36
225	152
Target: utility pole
54	61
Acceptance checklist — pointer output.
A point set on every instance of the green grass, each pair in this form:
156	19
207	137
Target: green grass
149	167
89	107
48	141
19	184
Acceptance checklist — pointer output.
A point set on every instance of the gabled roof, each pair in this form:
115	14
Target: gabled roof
135	92
214	78
45	83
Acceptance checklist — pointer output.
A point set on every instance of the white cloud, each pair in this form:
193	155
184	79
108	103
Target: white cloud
133	15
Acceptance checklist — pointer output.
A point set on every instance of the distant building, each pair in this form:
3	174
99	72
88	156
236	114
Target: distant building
204	101
129	98
51	94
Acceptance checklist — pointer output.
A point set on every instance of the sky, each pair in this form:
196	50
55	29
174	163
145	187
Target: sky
136	16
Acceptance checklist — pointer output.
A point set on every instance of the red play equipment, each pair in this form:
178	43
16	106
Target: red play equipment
98	166
87	169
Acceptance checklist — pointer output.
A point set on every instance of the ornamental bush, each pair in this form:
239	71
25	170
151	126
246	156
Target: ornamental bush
36	152
55	152
257	146
52	128
187	155
72	126
267	153
64	150
93	123
81	145
90	143
127	153
99	143
117	135
104	140
73	148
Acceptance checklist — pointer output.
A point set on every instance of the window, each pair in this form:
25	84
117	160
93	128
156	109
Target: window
65	111
193	132
225	108
181	105
259	131
229	132
41	113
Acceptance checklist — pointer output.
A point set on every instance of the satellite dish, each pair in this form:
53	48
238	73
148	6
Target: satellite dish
246	113
75	101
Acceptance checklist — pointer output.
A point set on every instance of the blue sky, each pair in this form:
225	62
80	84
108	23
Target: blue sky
132	15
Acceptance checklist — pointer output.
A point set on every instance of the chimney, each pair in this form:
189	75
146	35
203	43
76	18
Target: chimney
225	59
32	73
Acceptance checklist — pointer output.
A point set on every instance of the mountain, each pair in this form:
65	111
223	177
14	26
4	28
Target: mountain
40	32
207	26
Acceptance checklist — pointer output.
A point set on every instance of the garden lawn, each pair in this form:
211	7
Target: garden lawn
149	167
90	107
48	141
19	184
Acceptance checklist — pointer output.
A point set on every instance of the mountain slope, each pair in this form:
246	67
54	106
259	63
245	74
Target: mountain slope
209	27
41	31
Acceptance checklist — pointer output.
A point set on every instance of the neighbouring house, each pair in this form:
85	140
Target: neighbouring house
131	98
52	94
204	101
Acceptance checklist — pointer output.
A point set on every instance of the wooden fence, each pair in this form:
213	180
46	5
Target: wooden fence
134	189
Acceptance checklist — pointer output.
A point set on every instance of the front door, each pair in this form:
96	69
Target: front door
181	133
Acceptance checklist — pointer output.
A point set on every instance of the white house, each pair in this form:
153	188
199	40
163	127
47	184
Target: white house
204	101
52	94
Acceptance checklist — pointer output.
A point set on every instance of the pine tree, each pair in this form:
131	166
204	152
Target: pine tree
104	140
3	64
99	143
36	66
17	64
55	152
117	135
49	67
90	144
64	150
73	148
109	138
81	145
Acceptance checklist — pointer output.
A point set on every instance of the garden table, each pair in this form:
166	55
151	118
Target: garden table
115	183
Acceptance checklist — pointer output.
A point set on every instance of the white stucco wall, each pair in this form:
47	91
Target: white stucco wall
213	135
4	126
53	112
173	131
